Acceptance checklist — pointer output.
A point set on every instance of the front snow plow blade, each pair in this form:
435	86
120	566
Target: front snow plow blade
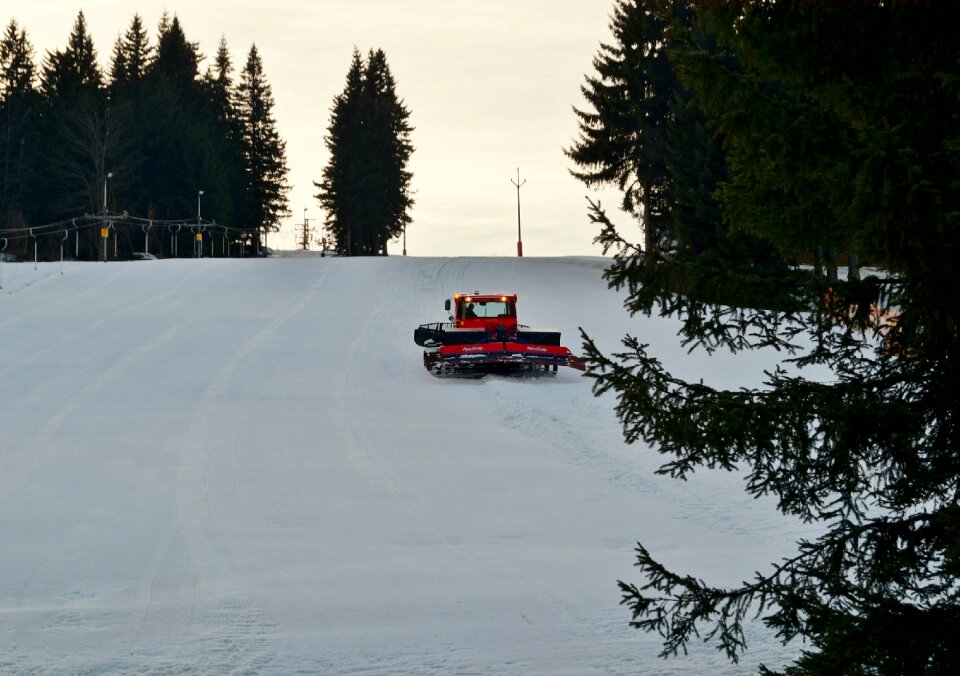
500	358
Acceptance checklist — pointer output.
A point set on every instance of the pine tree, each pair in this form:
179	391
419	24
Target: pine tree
365	191
17	69
219	83
839	123
644	135
697	166
129	109
73	72
76	128
18	118
779	118
231	201
263	149
132	54
176	59
623	139
387	148
340	195
175	131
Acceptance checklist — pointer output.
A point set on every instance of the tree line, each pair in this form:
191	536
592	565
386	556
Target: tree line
151	135
755	142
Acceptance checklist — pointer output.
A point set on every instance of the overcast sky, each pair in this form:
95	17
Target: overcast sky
490	85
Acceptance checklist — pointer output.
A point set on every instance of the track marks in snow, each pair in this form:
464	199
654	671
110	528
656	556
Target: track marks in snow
105	307
535	408
355	378
117	370
259	339
170	603
47	444
210	485
593	441
214	629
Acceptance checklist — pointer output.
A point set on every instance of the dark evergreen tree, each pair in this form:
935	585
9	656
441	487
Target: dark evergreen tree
77	131
264	150
623	140
232	201
220	86
341	193
72	73
387	149
840	125
697	166
17	68
132	54
118	65
645	136
365	191
779	118
177	59
18	111
175	128
128	108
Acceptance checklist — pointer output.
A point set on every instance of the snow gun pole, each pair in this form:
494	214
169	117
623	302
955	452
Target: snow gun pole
66	236
519	184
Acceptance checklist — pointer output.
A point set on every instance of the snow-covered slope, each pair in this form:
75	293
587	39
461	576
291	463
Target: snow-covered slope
240	466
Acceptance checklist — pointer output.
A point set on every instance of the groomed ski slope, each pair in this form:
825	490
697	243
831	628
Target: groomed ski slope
241	466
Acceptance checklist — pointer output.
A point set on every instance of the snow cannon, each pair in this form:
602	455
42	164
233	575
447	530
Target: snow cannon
483	337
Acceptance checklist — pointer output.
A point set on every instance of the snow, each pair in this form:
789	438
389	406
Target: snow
241	466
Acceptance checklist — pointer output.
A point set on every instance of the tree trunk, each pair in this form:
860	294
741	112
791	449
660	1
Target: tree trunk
853	266
831	264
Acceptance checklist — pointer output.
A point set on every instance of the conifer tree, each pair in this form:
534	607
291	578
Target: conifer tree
17	68
74	71
176	59
623	139
365	191
231	201
174	127
814	96
18	110
643	134
77	134
387	150
219	83
132	54
340	193
263	149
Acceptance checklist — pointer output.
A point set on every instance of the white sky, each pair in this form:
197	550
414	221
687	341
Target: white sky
490	85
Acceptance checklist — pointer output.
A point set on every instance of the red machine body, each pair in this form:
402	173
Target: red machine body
484	337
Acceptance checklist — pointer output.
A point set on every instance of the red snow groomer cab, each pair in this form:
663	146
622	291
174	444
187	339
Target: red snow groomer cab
484	337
